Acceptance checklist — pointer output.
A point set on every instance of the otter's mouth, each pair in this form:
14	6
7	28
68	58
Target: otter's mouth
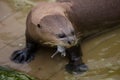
61	50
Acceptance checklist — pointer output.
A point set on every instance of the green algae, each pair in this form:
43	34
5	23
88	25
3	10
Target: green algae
9	74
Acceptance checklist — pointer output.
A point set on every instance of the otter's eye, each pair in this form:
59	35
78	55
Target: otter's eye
61	35
38	25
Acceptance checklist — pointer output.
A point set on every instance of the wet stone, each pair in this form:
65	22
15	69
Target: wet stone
5	11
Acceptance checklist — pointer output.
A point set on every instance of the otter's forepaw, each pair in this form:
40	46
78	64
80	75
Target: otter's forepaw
76	69
22	56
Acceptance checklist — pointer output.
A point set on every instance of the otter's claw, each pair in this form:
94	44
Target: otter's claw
22	56
60	49
76	69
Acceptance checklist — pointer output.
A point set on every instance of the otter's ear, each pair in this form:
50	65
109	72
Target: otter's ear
38	25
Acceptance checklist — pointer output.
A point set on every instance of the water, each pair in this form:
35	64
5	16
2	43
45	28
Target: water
101	53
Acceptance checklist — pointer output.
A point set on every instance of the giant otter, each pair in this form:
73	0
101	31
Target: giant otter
63	24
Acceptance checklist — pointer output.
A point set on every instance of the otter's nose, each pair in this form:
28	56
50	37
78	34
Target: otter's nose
71	41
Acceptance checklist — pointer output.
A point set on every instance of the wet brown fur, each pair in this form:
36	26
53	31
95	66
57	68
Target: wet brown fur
84	16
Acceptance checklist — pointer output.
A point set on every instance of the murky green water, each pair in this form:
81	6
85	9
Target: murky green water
101	54
24	5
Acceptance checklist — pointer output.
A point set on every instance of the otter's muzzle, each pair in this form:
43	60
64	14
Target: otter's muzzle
71	40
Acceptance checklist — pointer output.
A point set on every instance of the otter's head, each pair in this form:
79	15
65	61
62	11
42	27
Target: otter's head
57	30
